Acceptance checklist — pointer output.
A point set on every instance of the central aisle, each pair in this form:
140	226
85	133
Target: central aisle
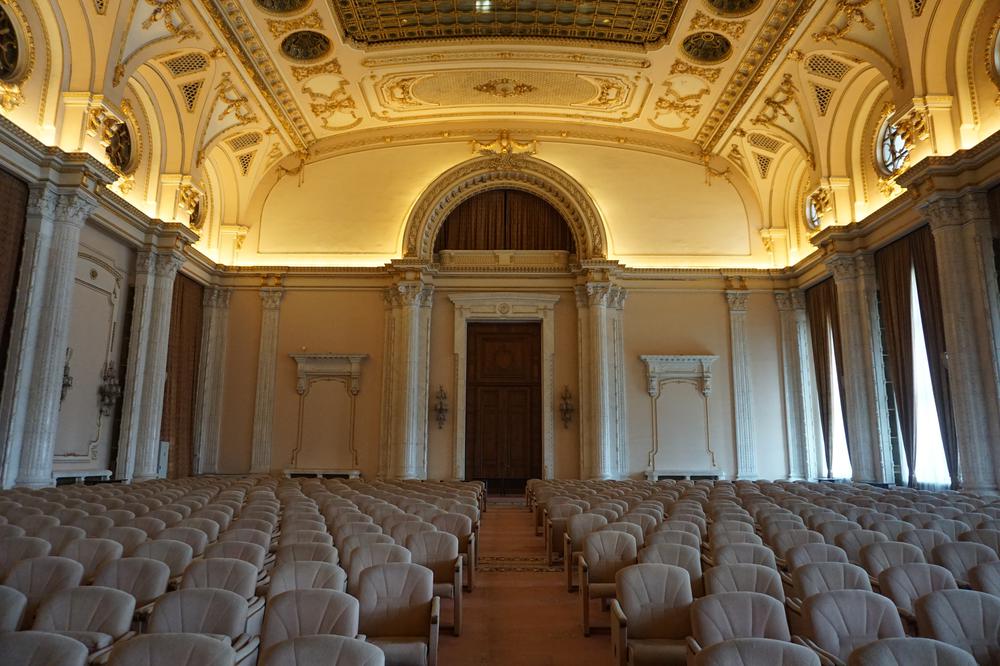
520	613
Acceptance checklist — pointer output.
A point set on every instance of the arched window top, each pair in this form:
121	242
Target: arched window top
505	219
893	149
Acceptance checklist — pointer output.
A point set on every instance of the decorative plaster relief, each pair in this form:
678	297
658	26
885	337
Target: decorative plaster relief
343	368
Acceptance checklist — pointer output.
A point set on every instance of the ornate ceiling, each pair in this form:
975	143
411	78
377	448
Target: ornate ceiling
700	127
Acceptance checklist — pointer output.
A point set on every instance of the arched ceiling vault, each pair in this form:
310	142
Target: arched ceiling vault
697	127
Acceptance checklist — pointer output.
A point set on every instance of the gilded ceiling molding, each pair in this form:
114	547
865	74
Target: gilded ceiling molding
685	107
11	95
775	104
710	74
250	50
780	25
491	56
303	72
702	21
327	105
168	11
848	13
479	175
311	21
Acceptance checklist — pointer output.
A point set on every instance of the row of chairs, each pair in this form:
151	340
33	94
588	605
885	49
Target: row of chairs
754	539
259	553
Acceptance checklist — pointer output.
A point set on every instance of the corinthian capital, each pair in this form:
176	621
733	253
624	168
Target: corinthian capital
74	209
598	293
944	213
167	265
784	301
42	200
270	297
217	297
843	267
738	300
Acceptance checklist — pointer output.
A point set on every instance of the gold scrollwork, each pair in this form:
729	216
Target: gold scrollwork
311	21
848	14
775	105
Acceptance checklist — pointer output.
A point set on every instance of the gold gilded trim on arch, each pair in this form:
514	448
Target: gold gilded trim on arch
781	23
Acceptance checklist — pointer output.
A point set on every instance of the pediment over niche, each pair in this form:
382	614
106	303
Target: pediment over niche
691	368
321	367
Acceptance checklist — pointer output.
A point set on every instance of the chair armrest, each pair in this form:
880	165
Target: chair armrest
436	610
432	642
794	605
692	645
786	578
619	634
245	645
707	562
825	658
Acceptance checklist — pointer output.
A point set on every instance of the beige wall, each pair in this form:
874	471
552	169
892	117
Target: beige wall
660	318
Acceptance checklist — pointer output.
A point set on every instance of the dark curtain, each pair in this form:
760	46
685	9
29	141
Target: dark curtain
505	220
929	294
183	356
894	266
13	208
821	311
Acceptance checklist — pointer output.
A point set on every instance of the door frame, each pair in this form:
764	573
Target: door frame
501	307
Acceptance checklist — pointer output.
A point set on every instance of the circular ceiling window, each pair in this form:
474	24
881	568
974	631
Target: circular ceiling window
282	6
707	47
893	150
733	7
10	48
120	148
305	45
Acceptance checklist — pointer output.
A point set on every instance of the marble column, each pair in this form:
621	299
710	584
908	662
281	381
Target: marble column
147	450
267	358
405	380
602	403
800	418
963	245
42	202
41	416
864	373
745	427
132	392
211	379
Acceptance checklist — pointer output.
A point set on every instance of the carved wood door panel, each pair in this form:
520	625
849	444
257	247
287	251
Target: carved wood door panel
503	444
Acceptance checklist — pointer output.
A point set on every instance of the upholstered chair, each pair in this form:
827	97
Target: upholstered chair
986	578
744	553
308	552
194	538
92	554
892	528
128	537
791	538
628	528
171	650
12	605
175	554
964	618
373	555
399	613
219	613
39	648
961	556
39	577
819	577
673	536
840	621
14	549
720	617
96	616
262	539
554	528
604	553
148	524
650	616
145	579
307	613
402	531
910	651
989	538
206	525
225	573
676	555
744	578
462	527
288	576
809	553
96	527
953	528
755	651
924	539
59	536
853	541
438	551
324	651
877	557
577	528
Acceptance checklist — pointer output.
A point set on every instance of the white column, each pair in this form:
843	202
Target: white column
864	373
584	394
52	333
745	427
211	379
405	383
267	357
616	312
147	450
800	424
39	224
963	245
132	390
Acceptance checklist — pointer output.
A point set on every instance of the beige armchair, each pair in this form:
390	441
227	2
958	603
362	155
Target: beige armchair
307	613
728	615
325	651
39	577
146	580
175	554
96	527
877	557
438	551
577	528
358	540
908	652
754	651
12	605
59	536
924	539
892	528
218	613
171	650
677	555
128	537
961	556
744	553
92	554
789	539
373	555
650	617
38	648
604	554
964	618
288	576
744	578
461	526
237	576
402	531
97	617
838	622
554	529
308	552
903	584
400	614
673	536
986	578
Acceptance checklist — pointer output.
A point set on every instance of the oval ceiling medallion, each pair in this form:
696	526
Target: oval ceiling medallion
733	7
282	6
120	148
9	47
708	47
305	45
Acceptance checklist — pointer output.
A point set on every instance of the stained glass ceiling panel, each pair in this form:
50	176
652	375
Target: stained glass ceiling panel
638	22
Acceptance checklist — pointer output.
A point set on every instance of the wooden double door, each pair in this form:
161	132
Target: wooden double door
503	430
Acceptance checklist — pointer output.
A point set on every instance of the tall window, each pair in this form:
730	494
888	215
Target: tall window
931	466
840	464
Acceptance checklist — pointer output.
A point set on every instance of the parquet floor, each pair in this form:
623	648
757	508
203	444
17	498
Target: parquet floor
520	613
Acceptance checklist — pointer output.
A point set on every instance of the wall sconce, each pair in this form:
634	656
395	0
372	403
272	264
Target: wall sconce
67	379
566	408
441	407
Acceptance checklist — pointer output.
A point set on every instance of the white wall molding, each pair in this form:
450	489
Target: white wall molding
692	369
744	424
505	307
342	368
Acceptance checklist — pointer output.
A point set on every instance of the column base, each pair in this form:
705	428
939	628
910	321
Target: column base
35	483
144	477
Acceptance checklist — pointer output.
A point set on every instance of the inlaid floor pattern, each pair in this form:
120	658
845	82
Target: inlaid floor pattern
520	613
